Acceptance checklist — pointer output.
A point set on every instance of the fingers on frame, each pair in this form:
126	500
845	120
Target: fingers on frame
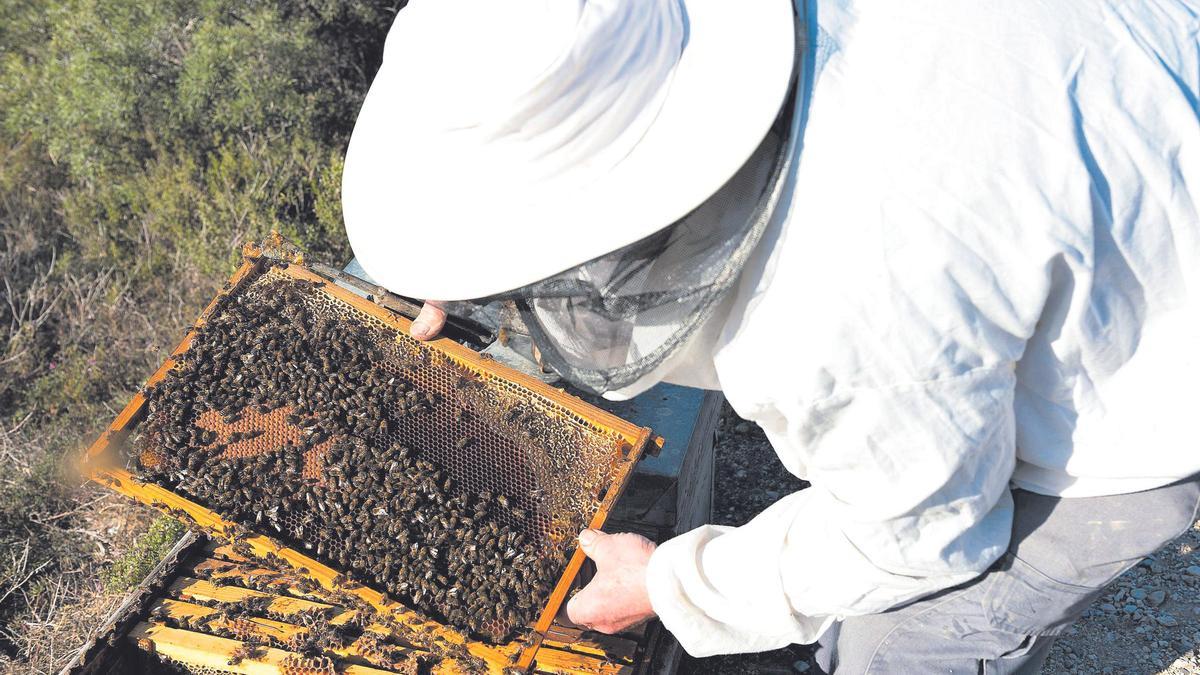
429	322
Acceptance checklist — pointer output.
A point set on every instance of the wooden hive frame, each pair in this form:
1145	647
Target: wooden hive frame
215	574
100	465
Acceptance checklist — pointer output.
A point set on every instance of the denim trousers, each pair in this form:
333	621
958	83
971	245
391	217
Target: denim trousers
1063	552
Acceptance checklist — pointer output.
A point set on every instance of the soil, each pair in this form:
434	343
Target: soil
1147	622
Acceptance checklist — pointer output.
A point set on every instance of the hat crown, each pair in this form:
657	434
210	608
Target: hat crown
561	88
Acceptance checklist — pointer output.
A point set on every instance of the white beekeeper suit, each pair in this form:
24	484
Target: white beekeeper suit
981	270
985	272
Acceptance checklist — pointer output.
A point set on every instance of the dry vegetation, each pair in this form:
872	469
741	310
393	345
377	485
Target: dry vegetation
141	142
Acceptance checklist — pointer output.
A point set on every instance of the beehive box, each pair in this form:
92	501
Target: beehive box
547	463
205	604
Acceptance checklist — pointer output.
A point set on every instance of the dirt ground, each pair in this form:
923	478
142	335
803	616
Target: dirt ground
1147	622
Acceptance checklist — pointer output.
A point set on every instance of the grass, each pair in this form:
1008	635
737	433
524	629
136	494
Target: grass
142	142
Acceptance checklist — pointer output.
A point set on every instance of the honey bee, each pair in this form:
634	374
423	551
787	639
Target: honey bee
386	514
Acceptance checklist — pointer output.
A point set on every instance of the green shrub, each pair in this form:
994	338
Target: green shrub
131	568
142	142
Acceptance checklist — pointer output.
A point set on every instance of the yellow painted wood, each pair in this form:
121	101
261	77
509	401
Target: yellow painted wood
222	550
101	464
562	638
189	588
270	629
263	627
241	572
210	651
589	648
555	661
180	609
200	589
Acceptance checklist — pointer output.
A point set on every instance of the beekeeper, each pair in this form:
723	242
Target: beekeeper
946	254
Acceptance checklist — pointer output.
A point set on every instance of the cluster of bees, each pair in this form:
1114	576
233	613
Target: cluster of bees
379	640
337	488
246	650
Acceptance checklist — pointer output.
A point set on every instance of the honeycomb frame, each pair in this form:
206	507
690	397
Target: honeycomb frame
628	441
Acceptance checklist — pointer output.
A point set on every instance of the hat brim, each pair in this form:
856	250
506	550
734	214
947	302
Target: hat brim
423	234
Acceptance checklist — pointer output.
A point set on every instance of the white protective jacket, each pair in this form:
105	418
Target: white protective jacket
988	271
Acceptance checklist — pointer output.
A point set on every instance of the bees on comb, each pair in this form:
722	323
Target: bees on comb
336	484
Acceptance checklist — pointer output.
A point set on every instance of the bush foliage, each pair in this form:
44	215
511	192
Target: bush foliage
131	568
142	142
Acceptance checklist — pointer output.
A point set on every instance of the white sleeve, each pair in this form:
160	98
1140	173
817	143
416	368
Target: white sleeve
876	334
909	496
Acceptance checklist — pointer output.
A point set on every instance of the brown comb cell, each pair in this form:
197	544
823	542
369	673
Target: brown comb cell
297	415
429	478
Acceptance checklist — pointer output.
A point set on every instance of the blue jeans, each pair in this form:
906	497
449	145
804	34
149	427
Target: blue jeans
1062	554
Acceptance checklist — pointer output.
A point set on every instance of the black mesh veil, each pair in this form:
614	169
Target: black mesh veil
611	321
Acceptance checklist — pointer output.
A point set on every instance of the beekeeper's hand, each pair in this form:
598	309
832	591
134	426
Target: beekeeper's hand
429	321
616	598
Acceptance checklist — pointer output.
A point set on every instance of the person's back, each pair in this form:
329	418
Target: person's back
1102	400
980	276
1021	179
1021	176
986	265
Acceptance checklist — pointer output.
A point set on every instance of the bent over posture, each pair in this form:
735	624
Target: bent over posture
946	254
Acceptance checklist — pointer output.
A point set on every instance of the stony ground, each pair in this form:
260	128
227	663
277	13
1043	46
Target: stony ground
1148	621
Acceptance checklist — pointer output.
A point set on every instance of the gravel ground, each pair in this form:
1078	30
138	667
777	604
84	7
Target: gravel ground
1147	622
748	479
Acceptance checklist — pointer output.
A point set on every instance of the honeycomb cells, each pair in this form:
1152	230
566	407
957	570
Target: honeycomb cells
542	468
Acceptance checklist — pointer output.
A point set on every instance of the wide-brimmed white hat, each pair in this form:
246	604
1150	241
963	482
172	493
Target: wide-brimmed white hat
503	142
